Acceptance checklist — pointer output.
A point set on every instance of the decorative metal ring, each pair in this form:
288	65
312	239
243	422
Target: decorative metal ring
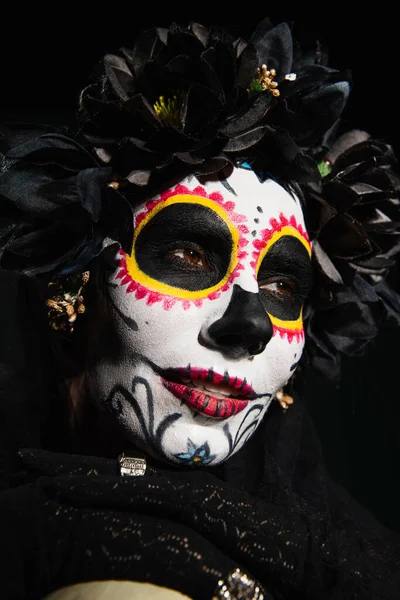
131	466
238	586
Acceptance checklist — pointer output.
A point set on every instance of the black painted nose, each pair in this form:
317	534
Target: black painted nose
244	329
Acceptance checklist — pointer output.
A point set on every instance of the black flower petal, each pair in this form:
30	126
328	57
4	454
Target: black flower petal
354	219
184	92
274	46
52	195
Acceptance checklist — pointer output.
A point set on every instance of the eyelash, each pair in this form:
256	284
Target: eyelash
290	287
185	260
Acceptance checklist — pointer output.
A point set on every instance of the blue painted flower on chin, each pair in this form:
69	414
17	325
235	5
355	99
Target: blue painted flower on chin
196	455
204	320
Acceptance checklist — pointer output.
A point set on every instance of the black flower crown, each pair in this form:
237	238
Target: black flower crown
198	100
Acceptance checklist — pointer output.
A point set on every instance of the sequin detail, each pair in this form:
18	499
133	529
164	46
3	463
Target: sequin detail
238	586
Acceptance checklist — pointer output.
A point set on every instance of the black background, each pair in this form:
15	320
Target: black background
46	60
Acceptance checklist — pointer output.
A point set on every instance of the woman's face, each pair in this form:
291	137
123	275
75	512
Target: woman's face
204	320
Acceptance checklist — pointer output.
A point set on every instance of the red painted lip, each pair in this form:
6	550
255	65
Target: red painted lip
204	401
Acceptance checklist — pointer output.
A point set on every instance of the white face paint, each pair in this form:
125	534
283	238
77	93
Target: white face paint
205	315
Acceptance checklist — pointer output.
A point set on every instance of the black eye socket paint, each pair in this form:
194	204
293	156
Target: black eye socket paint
288	261
178	227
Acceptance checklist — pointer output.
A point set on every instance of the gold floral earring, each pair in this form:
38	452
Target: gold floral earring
66	301
285	400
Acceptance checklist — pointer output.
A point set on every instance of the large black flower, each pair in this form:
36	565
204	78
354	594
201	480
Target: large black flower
191	99
354	214
312	94
354	219
54	202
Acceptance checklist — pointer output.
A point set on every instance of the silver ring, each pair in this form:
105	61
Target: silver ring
131	466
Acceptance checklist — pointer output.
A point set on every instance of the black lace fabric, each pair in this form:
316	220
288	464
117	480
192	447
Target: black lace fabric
270	511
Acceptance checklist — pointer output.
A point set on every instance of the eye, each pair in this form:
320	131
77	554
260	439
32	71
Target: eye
190	257
279	287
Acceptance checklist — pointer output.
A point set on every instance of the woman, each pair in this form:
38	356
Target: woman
193	240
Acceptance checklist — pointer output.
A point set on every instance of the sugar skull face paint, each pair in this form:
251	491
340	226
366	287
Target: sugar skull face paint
207	225
204	320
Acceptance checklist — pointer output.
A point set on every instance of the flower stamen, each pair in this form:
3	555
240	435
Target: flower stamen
169	109
65	305
263	81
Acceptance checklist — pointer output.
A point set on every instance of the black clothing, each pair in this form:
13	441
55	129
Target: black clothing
270	509
67	516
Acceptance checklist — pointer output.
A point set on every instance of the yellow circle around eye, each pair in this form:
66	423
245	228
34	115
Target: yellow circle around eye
293	325
296	324
277	235
154	285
